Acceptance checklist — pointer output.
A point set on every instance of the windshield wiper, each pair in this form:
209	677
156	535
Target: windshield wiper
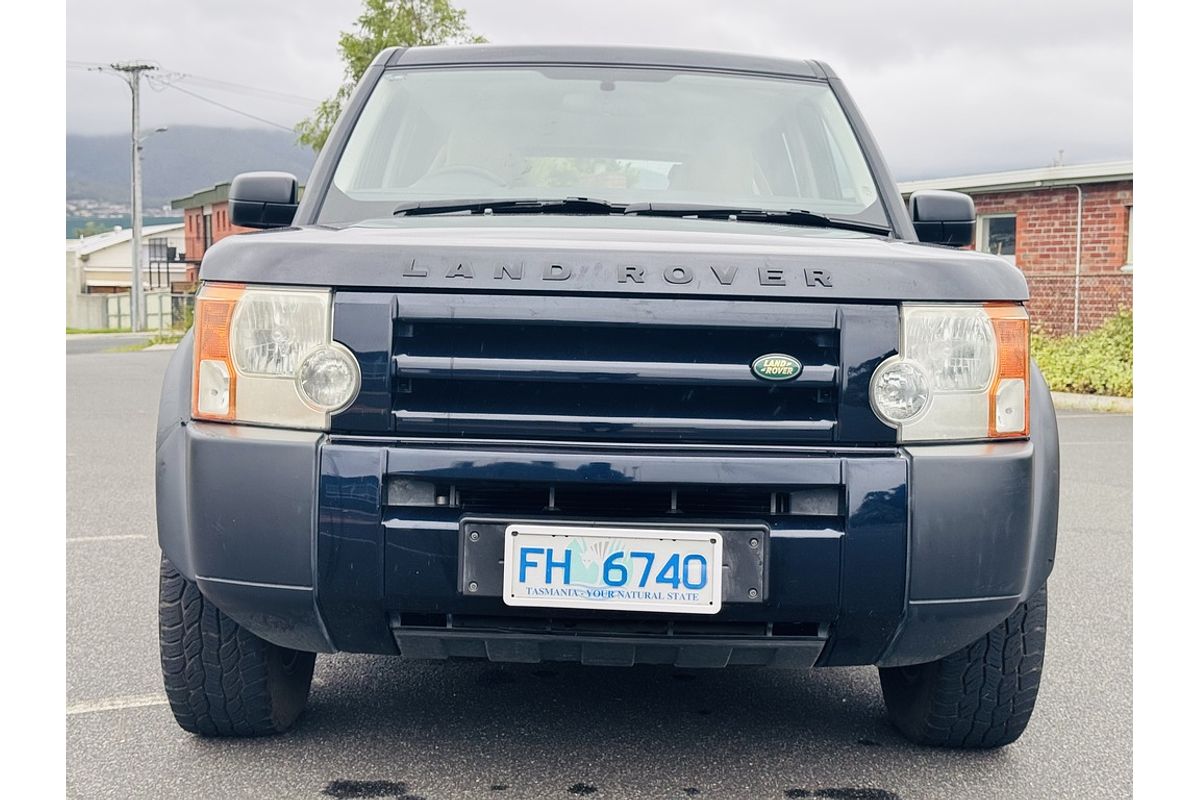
782	217
588	205
561	205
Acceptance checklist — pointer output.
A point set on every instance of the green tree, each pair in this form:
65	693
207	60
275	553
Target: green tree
385	23
91	228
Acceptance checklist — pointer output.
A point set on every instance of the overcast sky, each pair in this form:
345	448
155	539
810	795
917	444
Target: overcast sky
948	87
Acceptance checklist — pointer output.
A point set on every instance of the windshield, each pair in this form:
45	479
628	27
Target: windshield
623	135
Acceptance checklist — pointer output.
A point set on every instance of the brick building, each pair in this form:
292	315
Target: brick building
1068	228
206	219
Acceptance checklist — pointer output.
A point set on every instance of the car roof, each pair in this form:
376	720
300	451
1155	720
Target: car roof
602	55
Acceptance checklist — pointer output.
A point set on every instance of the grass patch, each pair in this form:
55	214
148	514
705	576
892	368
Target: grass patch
97	330
1099	362
162	337
166	337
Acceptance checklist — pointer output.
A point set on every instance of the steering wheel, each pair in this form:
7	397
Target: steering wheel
465	169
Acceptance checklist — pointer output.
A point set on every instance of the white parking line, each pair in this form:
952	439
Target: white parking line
116	704
1107	415
115	538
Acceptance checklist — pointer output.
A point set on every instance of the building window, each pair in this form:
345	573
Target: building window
1128	240
997	234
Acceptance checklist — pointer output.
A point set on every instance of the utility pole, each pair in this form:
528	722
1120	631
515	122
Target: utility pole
132	73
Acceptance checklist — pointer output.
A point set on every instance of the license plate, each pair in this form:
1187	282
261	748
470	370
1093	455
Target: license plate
622	569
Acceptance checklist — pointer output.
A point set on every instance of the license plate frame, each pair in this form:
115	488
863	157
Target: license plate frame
667	541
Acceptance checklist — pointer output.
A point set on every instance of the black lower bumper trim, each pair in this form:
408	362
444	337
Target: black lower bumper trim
611	651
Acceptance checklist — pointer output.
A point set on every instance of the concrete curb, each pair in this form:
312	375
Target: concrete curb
110	335
1065	401
160	347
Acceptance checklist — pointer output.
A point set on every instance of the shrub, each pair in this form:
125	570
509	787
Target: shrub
1099	362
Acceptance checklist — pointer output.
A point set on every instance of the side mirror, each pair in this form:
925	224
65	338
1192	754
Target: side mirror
263	200
943	217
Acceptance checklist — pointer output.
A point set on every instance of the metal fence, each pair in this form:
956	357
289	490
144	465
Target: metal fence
164	311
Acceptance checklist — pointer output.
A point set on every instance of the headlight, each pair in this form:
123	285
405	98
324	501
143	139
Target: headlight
273	329
962	373
900	391
266	356
328	378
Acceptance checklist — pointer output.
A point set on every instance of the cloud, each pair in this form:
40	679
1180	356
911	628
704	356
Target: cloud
947	86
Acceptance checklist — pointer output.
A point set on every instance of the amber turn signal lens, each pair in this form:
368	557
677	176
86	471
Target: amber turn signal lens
1008	396
214	381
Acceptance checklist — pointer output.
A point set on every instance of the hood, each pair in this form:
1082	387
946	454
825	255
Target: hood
611	256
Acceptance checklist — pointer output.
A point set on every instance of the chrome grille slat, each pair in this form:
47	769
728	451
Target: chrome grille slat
629	423
591	371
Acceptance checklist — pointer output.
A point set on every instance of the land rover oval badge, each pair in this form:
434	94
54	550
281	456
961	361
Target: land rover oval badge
776	367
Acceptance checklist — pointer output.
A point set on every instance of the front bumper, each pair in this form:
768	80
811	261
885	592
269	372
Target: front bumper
292	535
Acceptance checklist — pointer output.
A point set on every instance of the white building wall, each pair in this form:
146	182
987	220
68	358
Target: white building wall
109	266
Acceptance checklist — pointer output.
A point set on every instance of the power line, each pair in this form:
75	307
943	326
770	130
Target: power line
209	100
170	76
250	90
161	79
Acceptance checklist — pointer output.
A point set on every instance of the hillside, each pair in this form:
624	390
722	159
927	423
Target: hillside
177	162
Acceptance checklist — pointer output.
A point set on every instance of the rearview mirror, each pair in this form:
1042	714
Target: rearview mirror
263	200
943	217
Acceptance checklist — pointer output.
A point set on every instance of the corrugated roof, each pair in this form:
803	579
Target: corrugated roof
91	244
213	194
1013	180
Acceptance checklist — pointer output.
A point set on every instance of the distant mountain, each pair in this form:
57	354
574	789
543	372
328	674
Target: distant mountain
177	162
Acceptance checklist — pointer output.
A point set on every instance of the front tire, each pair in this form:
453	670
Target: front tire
979	697
220	679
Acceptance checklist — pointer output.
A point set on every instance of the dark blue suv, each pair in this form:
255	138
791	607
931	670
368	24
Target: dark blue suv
614	356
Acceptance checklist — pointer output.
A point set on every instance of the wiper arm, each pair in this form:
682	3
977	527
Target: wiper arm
562	205
588	205
783	217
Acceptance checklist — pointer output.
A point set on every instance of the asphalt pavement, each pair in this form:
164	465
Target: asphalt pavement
378	727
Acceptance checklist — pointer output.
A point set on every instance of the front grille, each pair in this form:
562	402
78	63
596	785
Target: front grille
653	370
